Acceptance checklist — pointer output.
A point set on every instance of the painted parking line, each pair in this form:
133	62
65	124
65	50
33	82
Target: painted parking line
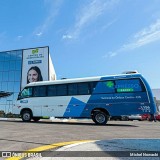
47	147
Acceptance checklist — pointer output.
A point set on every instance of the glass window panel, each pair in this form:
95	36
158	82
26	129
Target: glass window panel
72	89
8	107
18	65
11	97
61	90
16	86
4	86
39	91
1	76
6	66
15	96
51	90
26	92
132	85
104	87
10	86
2	55
19	54
2	106
9	102
83	88
5	76
1	65
13	55
12	65
7	56
17	76
11	76
92	86
3	101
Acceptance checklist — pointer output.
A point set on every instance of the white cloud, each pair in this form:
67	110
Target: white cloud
67	36
106	26
53	7
19	37
89	13
39	34
146	36
110	54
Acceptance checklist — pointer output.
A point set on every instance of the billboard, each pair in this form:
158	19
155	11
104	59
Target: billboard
35	65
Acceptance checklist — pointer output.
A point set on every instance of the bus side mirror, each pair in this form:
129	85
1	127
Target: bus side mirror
19	96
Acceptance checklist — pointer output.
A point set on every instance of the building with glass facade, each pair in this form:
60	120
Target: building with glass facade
13	72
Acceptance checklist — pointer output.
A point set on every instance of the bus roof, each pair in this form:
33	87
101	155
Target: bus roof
86	79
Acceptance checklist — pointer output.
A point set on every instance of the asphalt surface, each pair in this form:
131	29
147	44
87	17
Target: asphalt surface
128	136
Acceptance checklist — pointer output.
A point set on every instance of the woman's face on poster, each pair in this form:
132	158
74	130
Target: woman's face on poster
32	76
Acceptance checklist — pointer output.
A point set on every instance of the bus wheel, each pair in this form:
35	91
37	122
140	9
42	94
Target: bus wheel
100	117
26	116
36	119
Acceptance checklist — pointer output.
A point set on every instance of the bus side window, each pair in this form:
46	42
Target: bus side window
104	87
39	91
51	91
83	88
129	85
72	89
92	86
61	90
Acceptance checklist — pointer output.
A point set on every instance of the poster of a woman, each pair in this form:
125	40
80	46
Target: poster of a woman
34	75
35	65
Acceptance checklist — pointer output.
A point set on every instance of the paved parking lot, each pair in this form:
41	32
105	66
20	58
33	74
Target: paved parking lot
50	135
19	136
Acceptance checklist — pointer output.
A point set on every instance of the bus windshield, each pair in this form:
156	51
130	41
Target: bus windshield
26	92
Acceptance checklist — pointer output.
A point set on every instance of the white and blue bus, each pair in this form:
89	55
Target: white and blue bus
97	98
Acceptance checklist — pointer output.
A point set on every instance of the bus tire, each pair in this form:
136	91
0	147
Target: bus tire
36	119
26	116
100	117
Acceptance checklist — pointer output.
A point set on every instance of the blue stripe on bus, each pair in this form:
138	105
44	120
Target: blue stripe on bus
74	108
115	103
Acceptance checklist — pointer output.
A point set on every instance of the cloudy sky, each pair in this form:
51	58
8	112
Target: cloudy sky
87	37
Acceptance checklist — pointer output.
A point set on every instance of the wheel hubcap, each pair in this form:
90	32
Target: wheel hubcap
26	116
100	118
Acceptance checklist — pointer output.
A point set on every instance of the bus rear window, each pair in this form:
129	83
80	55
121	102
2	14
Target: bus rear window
131	85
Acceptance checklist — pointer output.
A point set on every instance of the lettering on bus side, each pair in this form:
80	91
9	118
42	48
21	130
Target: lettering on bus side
23	101
121	97
145	108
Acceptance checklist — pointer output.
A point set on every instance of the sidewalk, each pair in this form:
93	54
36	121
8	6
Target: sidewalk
115	149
